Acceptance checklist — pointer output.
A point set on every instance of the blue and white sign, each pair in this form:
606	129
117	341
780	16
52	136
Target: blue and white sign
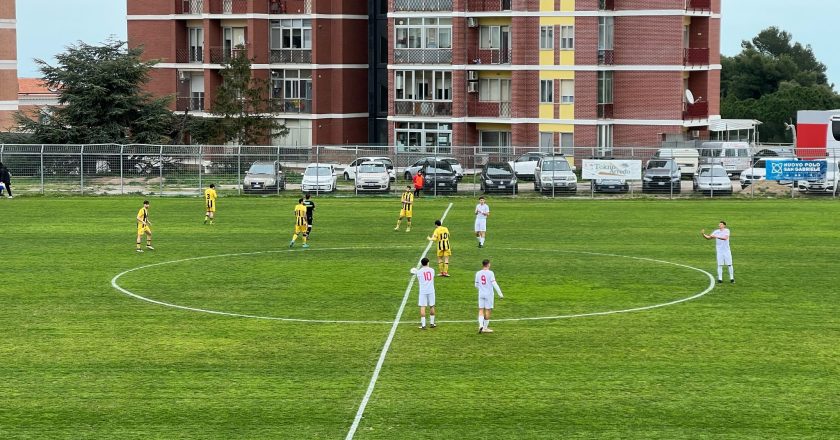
796	169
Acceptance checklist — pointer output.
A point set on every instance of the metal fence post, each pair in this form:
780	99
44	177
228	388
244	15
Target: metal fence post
42	169
160	174
239	169
122	166
200	166
82	170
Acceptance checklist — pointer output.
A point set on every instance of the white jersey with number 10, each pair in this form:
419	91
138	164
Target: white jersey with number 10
426	279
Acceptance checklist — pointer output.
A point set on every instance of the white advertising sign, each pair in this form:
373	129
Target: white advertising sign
612	169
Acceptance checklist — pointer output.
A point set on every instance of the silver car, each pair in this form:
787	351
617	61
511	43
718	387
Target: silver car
712	179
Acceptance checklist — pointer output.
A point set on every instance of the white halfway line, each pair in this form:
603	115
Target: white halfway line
387	345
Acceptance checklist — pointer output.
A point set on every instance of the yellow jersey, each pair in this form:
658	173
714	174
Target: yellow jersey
407	201
300	215
143	214
210	197
441	236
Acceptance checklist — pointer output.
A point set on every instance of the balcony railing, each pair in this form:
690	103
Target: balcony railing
291	105
698	5
422	5
291	7
228	6
189	55
606	57
605	111
488	5
189	6
189	103
490	56
423	108
422	56
695	56
291	56
698	110
221	55
606	5
489	109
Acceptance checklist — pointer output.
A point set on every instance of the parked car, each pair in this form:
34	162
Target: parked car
439	177
827	185
687	158
373	176
264	176
712	179
758	171
498	177
610	184
412	169
734	156
661	175
349	171
554	173
319	178
525	164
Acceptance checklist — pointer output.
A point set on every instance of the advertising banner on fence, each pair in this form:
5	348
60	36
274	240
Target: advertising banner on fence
612	169
796	169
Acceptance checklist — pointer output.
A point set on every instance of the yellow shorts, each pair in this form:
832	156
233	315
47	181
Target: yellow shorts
445	253
211	207
143	230
300	229
405	213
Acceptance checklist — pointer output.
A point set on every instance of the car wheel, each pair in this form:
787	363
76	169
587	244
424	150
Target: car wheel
407	175
346	176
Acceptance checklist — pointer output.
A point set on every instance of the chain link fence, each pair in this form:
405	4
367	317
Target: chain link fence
187	170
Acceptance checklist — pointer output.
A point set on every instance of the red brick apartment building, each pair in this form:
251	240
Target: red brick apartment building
551	73
8	65
313	52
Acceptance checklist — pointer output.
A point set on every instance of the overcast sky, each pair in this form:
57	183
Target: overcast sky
810	21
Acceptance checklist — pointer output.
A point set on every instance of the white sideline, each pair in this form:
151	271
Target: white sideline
387	345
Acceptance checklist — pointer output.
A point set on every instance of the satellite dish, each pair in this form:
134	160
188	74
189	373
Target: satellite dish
689	97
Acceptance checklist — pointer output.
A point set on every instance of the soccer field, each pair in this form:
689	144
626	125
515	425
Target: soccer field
638	342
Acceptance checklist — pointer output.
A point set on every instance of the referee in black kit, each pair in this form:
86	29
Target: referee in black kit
310	211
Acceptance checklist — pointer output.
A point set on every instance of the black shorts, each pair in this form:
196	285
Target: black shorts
309	221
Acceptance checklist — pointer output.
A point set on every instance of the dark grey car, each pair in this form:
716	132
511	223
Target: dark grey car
661	175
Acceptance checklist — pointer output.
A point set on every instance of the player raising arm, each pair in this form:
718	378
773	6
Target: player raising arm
300	224
485	282
144	226
444	251
724	253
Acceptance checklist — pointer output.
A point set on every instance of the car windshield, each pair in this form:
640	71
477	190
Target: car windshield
498	171
832	167
450	161
555	165
317	171
384	160
438	168
262	168
372	168
761	163
713	172
658	164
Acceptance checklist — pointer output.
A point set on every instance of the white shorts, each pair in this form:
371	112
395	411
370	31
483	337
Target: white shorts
426	300
480	225
724	259
485	302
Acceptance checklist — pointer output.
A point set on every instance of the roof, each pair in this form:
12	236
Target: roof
733	124
33	86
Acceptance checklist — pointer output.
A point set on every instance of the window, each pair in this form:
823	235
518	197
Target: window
423	85
196	44
567	91
299	133
232	37
606	27
291	34
567	37
197	91
494	90
294	88
547	142
425	137
546	91
567	144
491	140
423	33
494	37
546	37
605	87
605	139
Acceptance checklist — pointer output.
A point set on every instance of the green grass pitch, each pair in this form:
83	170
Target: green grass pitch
80	359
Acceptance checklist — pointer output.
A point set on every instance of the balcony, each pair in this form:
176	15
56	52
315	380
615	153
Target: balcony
423	108
606	5
228	6
696	56
189	103
488	5
291	56
422	56
698	5
291	105
223	55
488	109
190	55
605	111
698	110
606	57
191	7
290	6
422	5
490	56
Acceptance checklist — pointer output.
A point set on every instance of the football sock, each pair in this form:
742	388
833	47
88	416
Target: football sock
423	321
432	320
480	321
294	237
138	245
720	272
445	267
481	240
148	242
206	217
440	268
486	323
305	237
731	273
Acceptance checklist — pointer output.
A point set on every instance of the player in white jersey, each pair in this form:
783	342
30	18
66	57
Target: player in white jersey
426	282
485	282
724	253
482	211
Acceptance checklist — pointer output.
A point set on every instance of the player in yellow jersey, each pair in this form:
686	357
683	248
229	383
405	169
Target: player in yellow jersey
210	204
407	206
444	251
144	226
301	226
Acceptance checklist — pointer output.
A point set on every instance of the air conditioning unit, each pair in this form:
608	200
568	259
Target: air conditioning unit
472	22
472	87
472	75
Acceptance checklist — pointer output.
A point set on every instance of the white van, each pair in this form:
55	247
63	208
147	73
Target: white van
734	156
687	158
